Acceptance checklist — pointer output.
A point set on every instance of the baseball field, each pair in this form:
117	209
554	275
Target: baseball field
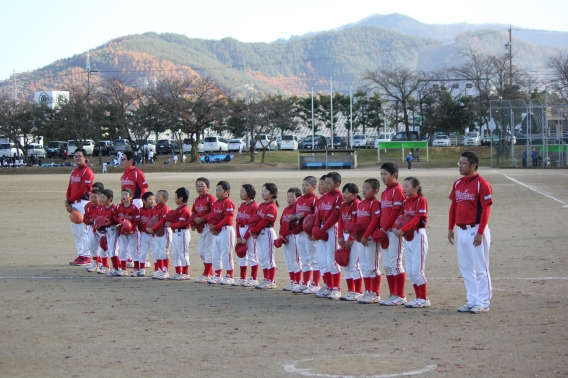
58	320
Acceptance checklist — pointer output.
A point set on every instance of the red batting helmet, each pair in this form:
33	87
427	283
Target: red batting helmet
319	234
101	222
342	256
241	249
76	216
309	221
172	216
379	236
103	243
126	226
152	222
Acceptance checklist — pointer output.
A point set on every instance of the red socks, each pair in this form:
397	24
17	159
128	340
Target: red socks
218	272
178	269
243	272
136	265
159	265
114	261
272	273
254	272
292	276
185	270
350	284
335	280
358	283
367	282
392	284
104	261
298	277
400	282
376	284
207	269
307	277
230	273
167	264
316	277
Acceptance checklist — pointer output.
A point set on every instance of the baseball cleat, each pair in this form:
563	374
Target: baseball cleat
418	303
344	297
465	308
290	286
227	281
134	273
157	274
369	298
311	289
130	264
395	301
299	289
334	294
111	272
175	276
202	279
323	292
74	262
251	282
164	276
141	272
238	282
478	309
91	266
102	270
354	296
183	277
120	273
214	280
385	301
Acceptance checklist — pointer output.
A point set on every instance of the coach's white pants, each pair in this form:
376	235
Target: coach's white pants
162	245
291	255
223	247
252	254
146	247
415	252
205	246
180	247
81	231
128	245
474	266
392	256
307	252
352	270
265	245
93	242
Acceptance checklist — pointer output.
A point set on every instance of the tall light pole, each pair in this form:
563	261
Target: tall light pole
350	118
331	112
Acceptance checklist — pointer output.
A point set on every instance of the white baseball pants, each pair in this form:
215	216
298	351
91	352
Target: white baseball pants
180	247
265	245
352	270
307	251
128	245
415	252
205	246
146	247
392	256
223	246
329	247
81	231
252	254
370	258
94	242
291	255
112	242
474	265
162	245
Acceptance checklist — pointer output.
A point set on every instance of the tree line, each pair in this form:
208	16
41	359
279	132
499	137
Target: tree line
396	97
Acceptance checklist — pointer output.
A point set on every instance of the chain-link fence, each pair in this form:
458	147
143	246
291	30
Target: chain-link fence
527	133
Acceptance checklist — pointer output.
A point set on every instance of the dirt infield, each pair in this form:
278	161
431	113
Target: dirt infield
58	320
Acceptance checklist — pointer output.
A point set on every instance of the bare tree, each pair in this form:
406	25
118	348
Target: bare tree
559	80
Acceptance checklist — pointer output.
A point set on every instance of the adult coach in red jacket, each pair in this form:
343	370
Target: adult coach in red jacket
78	195
471	198
133	178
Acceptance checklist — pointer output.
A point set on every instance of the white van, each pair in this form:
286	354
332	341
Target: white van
88	146
215	144
383	137
10	150
37	150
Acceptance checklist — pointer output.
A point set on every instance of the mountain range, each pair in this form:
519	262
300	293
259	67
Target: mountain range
300	63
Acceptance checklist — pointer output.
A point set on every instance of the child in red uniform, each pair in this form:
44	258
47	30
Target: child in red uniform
146	238
264	234
348	213
391	203
224	234
128	242
181	236
327	216
246	210
291	256
368	216
415	250
201	209
91	213
108	210
304	206
162	243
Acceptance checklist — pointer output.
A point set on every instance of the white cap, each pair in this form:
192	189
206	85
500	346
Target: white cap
410	153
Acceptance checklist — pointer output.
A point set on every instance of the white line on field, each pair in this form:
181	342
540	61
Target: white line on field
534	189
291	368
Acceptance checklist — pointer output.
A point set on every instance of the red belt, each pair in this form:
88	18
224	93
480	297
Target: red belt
465	226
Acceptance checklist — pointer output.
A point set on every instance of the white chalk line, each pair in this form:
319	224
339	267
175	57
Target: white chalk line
534	189
291	368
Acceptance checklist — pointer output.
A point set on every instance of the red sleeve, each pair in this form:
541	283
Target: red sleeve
115	214
86	184
340	226
411	224
228	218
135	216
183	218
375	218
452	215
162	220
87	217
142	183
264	222
484	219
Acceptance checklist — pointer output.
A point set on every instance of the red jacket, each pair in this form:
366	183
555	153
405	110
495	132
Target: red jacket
328	209
227	208
268	214
183	218
80	184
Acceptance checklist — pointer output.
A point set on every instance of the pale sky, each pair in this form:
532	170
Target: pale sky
36	33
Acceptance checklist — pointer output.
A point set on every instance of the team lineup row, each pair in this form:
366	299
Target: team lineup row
318	235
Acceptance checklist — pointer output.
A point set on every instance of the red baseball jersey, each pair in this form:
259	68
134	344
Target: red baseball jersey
183	218
91	212
284	221
160	211
145	215
80	184
306	204
391	203
417	206
227	208
202	206
134	179
328	209
246	210
109	212
130	212
268	213
369	215
469	195
347	213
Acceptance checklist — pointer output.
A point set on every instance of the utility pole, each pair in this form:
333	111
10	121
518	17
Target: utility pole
510	47
89	70
331	111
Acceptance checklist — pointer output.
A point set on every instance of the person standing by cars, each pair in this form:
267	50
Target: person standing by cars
409	160
524	157
534	157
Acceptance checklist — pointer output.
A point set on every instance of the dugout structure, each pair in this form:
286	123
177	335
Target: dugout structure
327	159
402	146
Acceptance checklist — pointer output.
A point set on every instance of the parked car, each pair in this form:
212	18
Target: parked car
10	150
37	149
88	145
105	147
56	148
200	147
360	141
371	142
401	136
289	142
167	147
238	145
496	135
314	142
187	145
562	138
215	144
262	142
122	145
383	137
473	138
339	142
441	141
